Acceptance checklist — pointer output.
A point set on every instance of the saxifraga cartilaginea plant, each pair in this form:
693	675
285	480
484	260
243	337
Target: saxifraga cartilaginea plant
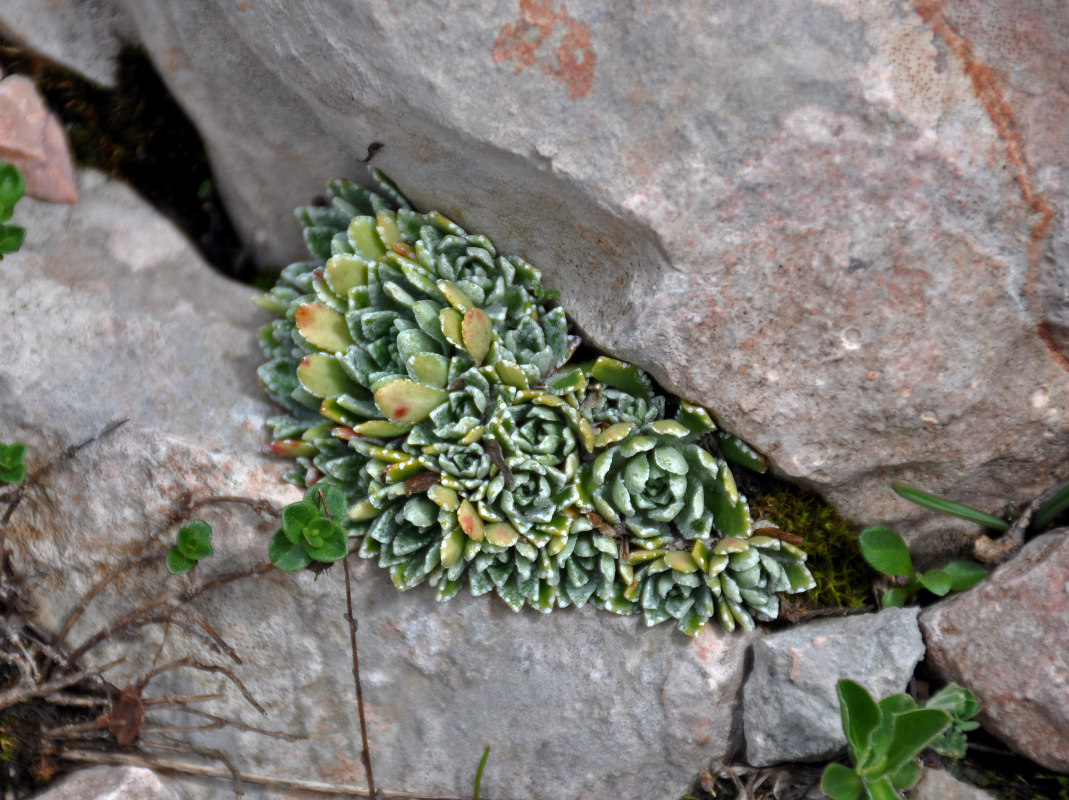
429	379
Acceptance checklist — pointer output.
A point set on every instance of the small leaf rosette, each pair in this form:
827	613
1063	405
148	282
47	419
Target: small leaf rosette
434	416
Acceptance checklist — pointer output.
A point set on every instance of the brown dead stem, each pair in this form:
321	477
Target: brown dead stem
173	599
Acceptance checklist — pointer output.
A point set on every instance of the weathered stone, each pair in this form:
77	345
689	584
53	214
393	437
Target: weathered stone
113	783
86	35
790	704
935	784
830	221
111	314
1008	641
31	138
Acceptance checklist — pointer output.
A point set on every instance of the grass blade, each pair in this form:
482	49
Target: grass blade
1052	508
479	773
949	507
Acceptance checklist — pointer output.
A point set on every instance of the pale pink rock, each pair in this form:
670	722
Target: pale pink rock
1007	640
31	138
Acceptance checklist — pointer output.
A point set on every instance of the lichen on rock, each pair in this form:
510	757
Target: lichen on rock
431	380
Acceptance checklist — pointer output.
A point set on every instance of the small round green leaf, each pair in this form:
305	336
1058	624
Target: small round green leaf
841	783
295	516
286	555
12	186
11	238
329	498
335	544
964	574
897	597
315	532
11	455
15	474
195	540
936	581
885	550
178	564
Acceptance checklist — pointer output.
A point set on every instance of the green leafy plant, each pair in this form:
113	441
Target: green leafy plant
11	466
12	187
883	740
194	544
430	381
310	531
962	706
884	549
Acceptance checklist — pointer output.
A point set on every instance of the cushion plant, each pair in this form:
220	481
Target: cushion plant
429	380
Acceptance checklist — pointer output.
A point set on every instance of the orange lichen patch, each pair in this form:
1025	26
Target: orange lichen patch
570	62
987	84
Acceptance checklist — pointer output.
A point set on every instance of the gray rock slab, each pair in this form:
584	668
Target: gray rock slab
835	223
935	784
790	703
111	314
113	783
1008	641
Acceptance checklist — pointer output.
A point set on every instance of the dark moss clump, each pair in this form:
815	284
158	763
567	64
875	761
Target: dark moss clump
138	134
844	579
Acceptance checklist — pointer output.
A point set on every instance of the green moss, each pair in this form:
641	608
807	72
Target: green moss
843	578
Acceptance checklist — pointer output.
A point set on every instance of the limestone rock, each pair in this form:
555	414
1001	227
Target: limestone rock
113	783
835	223
1008	641
111	314
790	704
85	35
31	138
935	784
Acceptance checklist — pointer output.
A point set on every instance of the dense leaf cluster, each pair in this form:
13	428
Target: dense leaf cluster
429	381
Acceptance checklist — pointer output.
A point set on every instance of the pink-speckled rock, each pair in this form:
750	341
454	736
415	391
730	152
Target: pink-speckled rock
838	224
111	314
31	138
1008	641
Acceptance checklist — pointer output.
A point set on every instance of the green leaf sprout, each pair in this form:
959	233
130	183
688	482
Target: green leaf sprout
12	188
11	467
310	531
884	549
194	544
884	739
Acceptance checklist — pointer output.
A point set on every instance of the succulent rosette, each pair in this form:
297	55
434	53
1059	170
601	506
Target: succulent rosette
658	482
737	580
425	380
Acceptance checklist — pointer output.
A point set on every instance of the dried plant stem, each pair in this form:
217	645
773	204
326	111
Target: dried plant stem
204	770
21	694
365	753
174	599
157	553
14	497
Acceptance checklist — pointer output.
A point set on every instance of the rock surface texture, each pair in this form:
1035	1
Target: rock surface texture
114	783
838	224
938	785
790	704
1008	641
111	314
